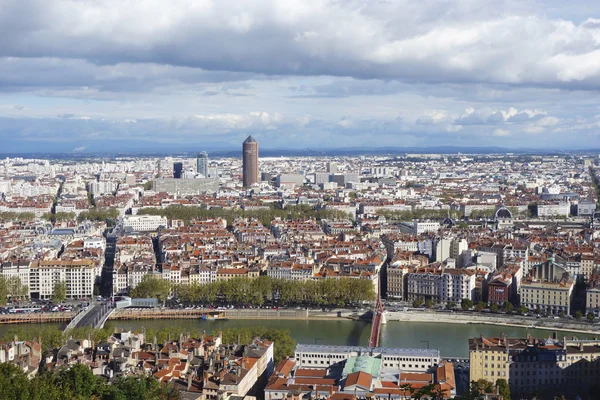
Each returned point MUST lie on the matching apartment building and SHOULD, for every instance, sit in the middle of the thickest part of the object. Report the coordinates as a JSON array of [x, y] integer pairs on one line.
[[396, 277], [224, 274], [532, 366], [440, 284], [144, 223], [79, 276], [548, 288], [561, 209], [592, 294], [17, 268], [419, 227]]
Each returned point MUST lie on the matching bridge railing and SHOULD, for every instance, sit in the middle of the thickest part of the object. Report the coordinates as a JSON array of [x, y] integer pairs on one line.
[[78, 318], [105, 312]]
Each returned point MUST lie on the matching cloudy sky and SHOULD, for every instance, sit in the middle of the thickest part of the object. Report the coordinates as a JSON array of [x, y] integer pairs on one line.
[[83, 75]]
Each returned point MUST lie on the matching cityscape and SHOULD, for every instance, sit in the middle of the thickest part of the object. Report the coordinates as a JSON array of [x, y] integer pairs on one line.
[[198, 244], [316, 200]]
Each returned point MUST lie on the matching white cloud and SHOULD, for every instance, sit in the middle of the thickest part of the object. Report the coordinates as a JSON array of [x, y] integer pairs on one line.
[[240, 121], [462, 40]]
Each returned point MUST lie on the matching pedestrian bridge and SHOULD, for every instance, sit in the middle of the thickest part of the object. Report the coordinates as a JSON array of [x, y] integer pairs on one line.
[[378, 320]]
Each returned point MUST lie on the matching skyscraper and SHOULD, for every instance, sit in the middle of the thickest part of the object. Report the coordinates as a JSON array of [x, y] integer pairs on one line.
[[202, 163], [250, 161], [177, 170], [332, 167]]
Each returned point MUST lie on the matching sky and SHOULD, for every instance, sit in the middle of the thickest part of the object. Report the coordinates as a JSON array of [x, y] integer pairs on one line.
[[111, 75]]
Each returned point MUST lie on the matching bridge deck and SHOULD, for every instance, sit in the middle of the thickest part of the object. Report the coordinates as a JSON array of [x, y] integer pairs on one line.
[[374, 339], [377, 317]]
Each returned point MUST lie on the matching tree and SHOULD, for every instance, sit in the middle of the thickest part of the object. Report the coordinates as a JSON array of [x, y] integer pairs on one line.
[[578, 315], [152, 287], [16, 289], [508, 307], [59, 294], [451, 305], [503, 389], [418, 302], [78, 382], [466, 304], [3, 289], [429, 303], [562, 314], [480, 306], [494, 307], [485, 386], [590, 316], [140, 388], [522, 310], [405, 387]]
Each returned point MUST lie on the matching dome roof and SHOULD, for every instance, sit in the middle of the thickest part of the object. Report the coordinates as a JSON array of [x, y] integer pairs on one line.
[[503, 213]]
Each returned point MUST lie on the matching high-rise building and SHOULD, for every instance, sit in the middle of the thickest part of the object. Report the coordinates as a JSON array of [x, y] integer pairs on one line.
[[332, 167], [250, 161], [177, 170], [202, 163]]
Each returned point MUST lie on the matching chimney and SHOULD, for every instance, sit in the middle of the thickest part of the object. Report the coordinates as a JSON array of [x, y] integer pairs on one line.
[[205, 378], [189, 382], [581, 346]]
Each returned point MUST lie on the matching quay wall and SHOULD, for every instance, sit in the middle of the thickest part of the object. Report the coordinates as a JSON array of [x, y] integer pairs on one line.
[[37, 318], [160, 313], [494, 319]]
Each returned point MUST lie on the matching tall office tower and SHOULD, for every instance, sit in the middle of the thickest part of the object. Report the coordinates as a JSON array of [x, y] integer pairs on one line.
[[177, 170], [250, 161], [331, 167], [202, 163]]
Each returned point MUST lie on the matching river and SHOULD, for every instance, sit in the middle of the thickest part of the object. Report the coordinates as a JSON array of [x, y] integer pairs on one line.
[[450, 339]]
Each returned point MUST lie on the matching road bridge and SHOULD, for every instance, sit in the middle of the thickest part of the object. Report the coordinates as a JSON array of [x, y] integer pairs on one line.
[[94, 317]]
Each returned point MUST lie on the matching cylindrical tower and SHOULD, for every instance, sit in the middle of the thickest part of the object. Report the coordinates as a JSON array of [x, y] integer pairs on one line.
[[250, 161]]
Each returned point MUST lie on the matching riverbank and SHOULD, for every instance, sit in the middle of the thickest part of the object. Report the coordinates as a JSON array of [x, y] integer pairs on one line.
[[37, 318], [517, 321], [249, 314], [427, 316]]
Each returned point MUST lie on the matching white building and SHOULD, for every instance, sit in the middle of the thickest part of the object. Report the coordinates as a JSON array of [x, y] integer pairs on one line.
[[441, 285], [561, 209], [416, 227], [79, 276], [94, 243], [325, 356], [144, 223]]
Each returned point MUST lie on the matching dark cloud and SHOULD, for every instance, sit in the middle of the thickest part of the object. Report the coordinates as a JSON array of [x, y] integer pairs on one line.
[[414, 41]]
